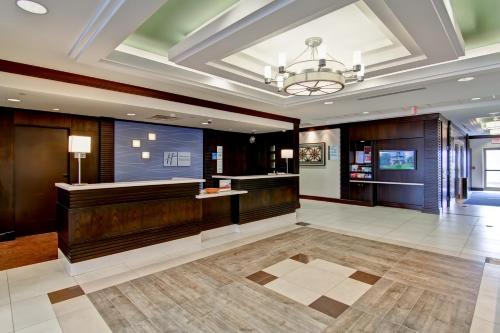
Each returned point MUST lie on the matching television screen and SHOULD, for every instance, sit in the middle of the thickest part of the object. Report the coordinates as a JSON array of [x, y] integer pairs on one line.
[[397, 160]]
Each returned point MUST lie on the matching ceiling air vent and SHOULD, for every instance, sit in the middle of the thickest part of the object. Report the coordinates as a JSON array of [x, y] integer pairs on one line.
[[391, 93], [170, 118]]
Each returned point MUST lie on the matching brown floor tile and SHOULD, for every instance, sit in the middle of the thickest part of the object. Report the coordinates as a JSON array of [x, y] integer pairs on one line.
[[65, 294], [365, 277], [329, 306], [261, 277], [303, 258], [493, 261], [28, 250]]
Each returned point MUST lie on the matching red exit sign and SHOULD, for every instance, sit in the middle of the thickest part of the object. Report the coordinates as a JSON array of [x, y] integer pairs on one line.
[[495, 140]]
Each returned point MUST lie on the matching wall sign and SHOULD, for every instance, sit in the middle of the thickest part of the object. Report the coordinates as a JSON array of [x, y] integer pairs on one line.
[[183, 158], [176, 159], [170, 159], [333, 152], [219, 159], [312, 154]]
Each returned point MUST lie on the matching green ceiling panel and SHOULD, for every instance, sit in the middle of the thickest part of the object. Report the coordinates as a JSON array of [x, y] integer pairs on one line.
[[174, 21], [479, 21]]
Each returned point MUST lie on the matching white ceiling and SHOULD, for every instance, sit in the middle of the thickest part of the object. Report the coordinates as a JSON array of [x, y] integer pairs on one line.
[[221, 61]]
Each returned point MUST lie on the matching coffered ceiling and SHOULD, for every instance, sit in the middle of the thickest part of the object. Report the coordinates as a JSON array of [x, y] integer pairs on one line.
[[414, 51]]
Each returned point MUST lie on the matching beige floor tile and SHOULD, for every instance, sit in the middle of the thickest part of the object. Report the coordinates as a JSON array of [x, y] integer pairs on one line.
[[72, 305], [108, 281], [483, 326], [313, 279], [331, 267], [6, 319], [491, 270], [72, 322], [4, 290], [490, 286], [32, 311], [50, 326], [488, 308], [348, 291], [293, 291], [283, 267]]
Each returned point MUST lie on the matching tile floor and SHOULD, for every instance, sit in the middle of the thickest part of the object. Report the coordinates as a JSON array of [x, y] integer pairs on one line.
[[318, 283], [25, 306]]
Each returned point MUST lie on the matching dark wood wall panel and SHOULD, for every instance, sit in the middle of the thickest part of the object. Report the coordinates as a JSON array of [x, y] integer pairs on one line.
[[240, 157], [107, 151], [432, 157], [404, 176], [404, 196], [6, 174]]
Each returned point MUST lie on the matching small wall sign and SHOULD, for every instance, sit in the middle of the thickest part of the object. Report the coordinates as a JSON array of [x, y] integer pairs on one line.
[[170, 159], [333, 152]]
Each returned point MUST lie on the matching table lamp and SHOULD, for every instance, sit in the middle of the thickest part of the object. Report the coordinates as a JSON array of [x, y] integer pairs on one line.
[[286, 153], [79, 145]]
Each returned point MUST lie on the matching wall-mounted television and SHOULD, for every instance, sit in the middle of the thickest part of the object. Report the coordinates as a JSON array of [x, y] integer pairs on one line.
[[397, 159]]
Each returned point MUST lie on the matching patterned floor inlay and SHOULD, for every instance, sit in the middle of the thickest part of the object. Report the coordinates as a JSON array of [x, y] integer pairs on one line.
[[65, 294], [339, 284], [320, 284]]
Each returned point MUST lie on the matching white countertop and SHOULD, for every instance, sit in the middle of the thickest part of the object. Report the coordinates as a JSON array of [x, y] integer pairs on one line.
[[389, 183], [255, 176], [97, 186], [219, 194]]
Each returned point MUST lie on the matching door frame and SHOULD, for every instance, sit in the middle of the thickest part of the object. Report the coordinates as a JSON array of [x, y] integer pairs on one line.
[[485, 172]]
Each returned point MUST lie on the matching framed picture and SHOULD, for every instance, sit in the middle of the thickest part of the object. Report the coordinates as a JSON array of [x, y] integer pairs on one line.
[[312, 154]]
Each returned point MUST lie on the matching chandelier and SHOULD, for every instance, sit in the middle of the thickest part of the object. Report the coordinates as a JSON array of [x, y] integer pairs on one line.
[[314, 72]]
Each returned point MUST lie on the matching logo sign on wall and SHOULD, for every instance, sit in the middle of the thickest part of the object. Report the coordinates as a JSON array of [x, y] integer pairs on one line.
[[176, 159], [312, 154]]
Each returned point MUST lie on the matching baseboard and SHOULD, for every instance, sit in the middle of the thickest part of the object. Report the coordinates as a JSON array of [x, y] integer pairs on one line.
[[399, 205], [7, 236], [336, 200], [477, 189]]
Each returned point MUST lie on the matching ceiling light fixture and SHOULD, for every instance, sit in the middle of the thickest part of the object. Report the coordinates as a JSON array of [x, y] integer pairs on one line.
[[204, 123], [32, 7], [365, 112], [314, 72], [55, 109], [475, 98], [328, 103], [15, 100], [131, 114], [466, 79], [493, 113]]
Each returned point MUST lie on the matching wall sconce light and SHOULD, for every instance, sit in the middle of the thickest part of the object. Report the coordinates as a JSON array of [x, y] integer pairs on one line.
[[79, 145], [145, 155], [136, 143], [152, 136], [286, 154]]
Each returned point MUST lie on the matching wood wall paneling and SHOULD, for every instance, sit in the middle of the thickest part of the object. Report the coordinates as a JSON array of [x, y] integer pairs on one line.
[[6, 174], [106, 150]]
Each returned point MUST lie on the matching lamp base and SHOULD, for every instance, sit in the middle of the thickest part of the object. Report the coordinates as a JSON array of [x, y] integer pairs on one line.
[[79, 184]]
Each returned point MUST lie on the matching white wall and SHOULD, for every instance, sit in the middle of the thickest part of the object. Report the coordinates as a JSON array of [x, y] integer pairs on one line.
[[477, 160], [322, 181]]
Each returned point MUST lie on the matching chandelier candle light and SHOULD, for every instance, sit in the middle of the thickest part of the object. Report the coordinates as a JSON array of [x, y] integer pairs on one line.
[[314, 72]]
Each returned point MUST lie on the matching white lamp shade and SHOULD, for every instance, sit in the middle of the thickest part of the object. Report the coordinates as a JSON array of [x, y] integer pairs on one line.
[[79, 144], [286, 153]]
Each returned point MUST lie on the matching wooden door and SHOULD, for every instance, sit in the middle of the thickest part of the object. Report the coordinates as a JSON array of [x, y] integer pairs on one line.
[[40, 160]]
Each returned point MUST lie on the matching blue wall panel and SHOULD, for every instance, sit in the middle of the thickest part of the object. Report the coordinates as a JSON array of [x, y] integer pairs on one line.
[[129, 166]]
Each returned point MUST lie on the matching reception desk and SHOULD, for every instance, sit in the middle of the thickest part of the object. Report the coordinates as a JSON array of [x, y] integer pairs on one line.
[[96, 220], [268, 195]]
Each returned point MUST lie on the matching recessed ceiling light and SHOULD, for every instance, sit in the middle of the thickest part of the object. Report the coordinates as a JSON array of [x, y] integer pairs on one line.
[[131, 114], [13, 100], [494, 113], [55, 109], [204, 123], [466, 79], [475, 98], [328, 103], [32, 7], [365, 112]]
